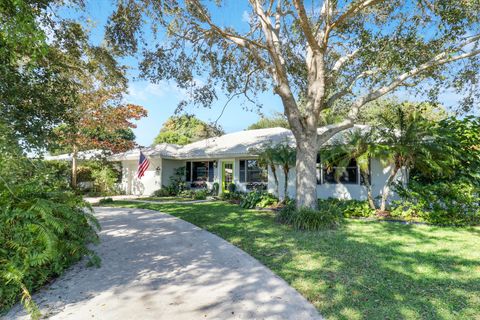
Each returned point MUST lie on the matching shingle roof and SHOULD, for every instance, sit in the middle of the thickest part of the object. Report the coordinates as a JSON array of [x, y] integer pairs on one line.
[[229, 145]]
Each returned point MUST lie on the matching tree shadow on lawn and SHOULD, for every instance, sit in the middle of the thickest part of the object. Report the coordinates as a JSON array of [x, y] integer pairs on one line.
[[367, 270]]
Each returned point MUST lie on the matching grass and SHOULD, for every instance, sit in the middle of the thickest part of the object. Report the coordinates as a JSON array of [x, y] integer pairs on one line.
[[365, 270], [165, 199]]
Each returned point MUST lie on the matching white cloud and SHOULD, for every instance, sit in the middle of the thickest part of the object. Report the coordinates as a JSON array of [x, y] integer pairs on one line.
[[142, 91], [246, 17]]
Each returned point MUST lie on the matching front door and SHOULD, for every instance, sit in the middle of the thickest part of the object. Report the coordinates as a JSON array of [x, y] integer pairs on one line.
[[227, 174]]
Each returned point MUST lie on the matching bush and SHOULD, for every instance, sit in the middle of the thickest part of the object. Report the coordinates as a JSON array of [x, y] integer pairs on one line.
[[258, 199], [163, 192], [445, 203], [349, 208], [43, 230], [177, 182], [311, 220], [215, 189], [189, 194], [285, 215], [232, 196], [232, 187], [105, 201], [327, 217], [200, 194]]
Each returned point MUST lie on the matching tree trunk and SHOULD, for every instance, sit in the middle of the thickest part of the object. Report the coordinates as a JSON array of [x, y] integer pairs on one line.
[[386, 189], [371, 202], [286, 170], [306, 167], [274, 172], [74, 167]]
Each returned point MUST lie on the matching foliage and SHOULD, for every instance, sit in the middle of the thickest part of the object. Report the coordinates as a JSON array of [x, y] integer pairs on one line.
[[359, 145], [162, 192], [280, 154], [186, 129], [215, 188], [278, 120], [312, 219], [35, 96], [105, 201], [349, 208], [44, 227], [455, 203], [200, 194], [232, 187], [285, 156], [328, 216], [234, 196], [364, 270], [104, 176], [387, 108], [260, 199], [177, 182]]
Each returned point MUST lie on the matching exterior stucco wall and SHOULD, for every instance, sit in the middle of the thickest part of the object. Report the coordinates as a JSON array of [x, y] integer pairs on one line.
[[150, 182]]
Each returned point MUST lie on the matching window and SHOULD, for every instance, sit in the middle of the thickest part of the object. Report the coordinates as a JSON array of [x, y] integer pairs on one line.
[[199, 171], [252, 173], [331, 173]]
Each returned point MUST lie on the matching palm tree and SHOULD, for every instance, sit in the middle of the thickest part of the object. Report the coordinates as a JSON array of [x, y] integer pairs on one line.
[[285, 156], [266, 156], [359, 145], [407, 141]]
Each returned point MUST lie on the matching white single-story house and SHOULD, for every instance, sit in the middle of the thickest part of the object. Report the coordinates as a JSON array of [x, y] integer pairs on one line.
[[229, 158]]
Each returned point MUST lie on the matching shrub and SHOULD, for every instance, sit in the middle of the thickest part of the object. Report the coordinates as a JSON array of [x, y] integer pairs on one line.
[[177, 182], [327, 217], [43, 230], [163, 192], [232, 196], [232, 187], [349, 208], [105, 201], [286, 213], [454, 203], [189, 194], [258, 199], [311, 220], [200, 194], [215, 188]]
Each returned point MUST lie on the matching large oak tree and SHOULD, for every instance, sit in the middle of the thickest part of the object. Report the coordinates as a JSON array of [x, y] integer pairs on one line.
[[315, 55]]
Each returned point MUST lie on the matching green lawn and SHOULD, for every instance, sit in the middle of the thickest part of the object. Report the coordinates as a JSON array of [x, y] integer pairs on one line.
[[165, 199], [366, 270]]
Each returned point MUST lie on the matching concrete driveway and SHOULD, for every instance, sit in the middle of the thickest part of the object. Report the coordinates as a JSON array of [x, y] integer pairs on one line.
[[155, 266]]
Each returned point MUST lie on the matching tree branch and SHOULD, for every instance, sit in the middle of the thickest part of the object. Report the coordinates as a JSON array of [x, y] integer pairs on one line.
[[438, 60]]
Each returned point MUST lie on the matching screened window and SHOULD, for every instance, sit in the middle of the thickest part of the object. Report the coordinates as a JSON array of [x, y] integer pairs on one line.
[[251, 172], [199, 171], [332, 173]]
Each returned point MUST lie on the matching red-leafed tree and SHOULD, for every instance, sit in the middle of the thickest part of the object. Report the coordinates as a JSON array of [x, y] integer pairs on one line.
[[100, 118]]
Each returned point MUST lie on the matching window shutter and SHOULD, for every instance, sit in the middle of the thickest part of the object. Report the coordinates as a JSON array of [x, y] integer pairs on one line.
[[188, 172], [210, 171], [242, 170]]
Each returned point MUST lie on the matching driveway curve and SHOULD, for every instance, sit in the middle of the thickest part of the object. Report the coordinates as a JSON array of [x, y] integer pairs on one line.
[[155, 266]]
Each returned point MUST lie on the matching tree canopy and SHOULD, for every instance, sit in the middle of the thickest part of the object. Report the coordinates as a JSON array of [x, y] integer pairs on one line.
[[186, 129]]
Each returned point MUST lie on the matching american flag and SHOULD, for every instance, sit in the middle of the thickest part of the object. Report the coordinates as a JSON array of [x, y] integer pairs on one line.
[[143, 164]]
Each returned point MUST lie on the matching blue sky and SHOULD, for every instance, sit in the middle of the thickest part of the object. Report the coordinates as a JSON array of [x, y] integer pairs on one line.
[[161, 99]]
